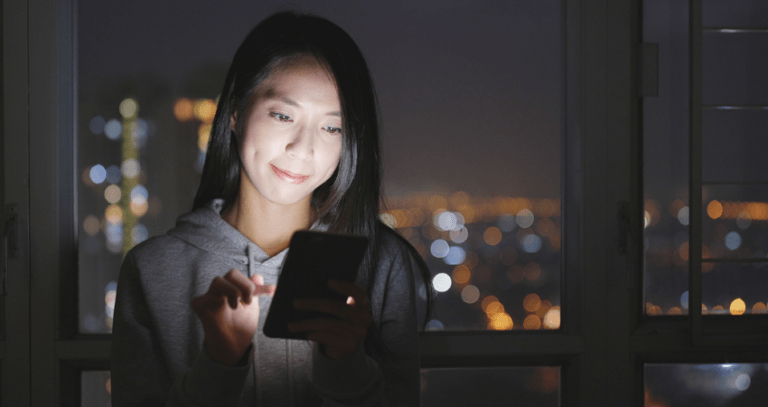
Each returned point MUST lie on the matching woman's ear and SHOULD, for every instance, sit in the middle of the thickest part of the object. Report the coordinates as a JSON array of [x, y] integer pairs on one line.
[[233, 122]]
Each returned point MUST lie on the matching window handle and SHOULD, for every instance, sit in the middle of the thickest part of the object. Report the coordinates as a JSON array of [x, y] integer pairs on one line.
[[10, 244]]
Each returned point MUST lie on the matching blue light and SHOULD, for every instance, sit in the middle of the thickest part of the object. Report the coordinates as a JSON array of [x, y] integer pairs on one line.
[[113, 174], [531, 243], [113, 130], [98, 174], [733, 240], [97, 125], [439, 248], [455, 256]]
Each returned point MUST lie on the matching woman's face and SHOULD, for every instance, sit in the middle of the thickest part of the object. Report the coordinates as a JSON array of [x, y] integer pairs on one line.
[[292, 133]]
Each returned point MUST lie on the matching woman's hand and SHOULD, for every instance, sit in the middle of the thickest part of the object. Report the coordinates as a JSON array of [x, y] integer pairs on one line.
[[339, 337], [230, 314]]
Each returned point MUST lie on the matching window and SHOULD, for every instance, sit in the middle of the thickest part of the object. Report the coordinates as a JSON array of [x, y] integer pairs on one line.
[[609, 347]]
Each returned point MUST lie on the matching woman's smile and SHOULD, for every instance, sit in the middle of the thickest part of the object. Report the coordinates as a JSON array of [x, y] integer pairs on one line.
[[288, 176]]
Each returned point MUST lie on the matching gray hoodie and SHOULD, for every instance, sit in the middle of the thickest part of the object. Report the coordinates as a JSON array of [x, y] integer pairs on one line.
[[157, 340]]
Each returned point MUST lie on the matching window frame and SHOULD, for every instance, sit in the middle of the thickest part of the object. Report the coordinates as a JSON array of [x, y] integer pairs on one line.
[[604, 341]]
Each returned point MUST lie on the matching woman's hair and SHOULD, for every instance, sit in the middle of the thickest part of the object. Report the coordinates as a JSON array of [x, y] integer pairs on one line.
[[349, 201]]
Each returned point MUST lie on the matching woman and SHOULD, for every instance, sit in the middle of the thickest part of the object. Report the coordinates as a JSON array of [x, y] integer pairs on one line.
[[294, 146]]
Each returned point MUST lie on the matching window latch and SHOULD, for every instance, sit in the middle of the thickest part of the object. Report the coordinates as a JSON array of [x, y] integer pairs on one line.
[[10, 244]]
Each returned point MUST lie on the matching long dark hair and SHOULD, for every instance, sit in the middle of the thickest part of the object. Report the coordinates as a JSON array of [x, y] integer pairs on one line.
[[349, 201]]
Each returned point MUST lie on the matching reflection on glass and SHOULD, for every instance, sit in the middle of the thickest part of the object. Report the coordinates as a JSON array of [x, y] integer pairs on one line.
[[705, 385], [95, 389], [522, 386]]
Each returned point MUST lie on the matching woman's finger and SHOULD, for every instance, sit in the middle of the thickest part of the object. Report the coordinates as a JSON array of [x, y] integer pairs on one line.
[[221, 287], [243, 283]]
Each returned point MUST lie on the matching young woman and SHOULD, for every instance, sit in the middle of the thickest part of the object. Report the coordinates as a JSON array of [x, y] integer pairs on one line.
[[294, 146]]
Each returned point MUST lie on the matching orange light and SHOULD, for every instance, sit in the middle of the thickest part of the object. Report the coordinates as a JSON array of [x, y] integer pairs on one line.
[[543, 308], [203, 135], [715, 209], [759, 308], [458, 199], [492, 236], [139, 209], [532, 271], [436, 202], [205, 110], [113, 214], [532, 322], [531, 302], [552, 318], [501, 322], [487, 300], [183, 109], [675, 311], [461, 274], [738, 307]]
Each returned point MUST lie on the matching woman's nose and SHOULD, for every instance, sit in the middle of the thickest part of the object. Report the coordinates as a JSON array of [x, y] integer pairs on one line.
[[301, 145]]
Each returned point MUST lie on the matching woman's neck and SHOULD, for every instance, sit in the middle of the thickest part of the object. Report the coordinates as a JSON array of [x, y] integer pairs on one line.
[[266, 224]]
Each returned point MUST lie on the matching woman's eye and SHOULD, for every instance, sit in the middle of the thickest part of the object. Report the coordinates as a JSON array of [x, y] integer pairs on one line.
[[280, 116], [332, 130]]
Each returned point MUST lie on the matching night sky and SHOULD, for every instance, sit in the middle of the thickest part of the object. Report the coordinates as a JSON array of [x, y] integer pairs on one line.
[[469, 92]]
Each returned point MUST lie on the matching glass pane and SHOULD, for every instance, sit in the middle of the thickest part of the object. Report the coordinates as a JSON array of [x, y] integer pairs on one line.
[[95, 389], [471, 128], [734, 288], [734, 67], [705, 385], [734, 145], [735, 13], [514, 386], [665, 155], [735, 221]]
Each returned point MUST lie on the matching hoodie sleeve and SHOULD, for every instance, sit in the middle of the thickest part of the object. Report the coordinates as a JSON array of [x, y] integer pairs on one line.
[[363, 380], [140, 376]]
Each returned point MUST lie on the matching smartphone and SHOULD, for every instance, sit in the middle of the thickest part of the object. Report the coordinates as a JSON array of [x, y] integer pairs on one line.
[[313, 258]]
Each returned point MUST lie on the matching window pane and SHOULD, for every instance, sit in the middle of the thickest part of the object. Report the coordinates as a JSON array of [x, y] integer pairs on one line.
[[95, 389], [472, 129], [734, 145], [734, 67], [734, 288], [705, 385], [514, 386], [735, 13], [665, 155], [735, 221]]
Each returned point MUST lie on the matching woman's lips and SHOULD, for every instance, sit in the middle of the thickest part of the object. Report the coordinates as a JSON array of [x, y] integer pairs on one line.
[[289, 176]]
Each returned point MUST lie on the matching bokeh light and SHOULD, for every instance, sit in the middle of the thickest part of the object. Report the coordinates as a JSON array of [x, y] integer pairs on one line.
[[715, 209], [439, 248], [456, 255], [531, 302], [531, 243], [470, 294], [129, 108], [552, 318], [738, 307], [98, 174], [130, 168], [113, 214], [91, 225], [441, 282], [112, 194], [492, 236], [532, 322], [524, 218], [182, 109], [733, 240], [113, 129], [461, 274], [205, 110]]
